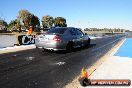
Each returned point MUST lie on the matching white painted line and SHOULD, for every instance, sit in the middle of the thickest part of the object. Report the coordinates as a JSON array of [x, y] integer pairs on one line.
[[60, 63], [16, 48], [92, 37], [29, 58]]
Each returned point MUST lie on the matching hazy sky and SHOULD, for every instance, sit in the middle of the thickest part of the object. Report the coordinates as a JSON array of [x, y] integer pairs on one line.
[[79, 13]]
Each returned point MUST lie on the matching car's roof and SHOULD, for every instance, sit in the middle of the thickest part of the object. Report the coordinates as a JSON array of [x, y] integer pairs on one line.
[[59, 30], [62, 27]]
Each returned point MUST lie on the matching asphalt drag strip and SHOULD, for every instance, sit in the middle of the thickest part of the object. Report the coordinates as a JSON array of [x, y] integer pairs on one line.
[[36, 69]]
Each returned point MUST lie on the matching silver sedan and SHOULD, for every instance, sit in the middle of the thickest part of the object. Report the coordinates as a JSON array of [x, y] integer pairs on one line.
[[62, 38]]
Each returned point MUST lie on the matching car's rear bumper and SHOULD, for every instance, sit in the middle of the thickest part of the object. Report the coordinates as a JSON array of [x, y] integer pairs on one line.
[[56, 46], [52, 49]]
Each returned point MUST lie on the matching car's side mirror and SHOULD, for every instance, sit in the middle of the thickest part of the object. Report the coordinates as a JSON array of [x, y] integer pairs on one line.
[[85, 34]]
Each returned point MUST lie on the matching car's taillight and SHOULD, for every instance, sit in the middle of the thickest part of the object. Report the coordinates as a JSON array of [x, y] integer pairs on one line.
[[57, 38]]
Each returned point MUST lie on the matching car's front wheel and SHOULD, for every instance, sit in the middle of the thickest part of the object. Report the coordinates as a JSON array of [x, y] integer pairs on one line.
[[69, 47], [88, 42]]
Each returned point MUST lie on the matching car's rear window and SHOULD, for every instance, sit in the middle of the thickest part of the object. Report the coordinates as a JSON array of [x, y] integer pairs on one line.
[[57, 30]]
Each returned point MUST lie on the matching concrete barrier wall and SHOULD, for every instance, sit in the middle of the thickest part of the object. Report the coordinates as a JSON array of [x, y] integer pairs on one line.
[[7, 40], [11, 40]]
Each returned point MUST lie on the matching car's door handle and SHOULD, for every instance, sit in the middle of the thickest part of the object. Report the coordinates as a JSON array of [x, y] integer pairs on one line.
[[76, 37]]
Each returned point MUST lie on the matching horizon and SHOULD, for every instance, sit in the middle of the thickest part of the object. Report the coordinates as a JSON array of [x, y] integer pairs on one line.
[[81, 14]]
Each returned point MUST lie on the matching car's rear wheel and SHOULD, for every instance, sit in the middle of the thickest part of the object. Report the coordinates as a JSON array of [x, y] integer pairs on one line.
[[69, 47]]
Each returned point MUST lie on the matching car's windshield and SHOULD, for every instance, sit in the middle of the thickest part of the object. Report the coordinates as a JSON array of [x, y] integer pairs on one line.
[[57, 30]]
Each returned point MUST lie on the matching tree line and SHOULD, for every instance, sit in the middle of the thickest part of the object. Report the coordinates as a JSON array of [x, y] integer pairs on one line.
[[25, 19]]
